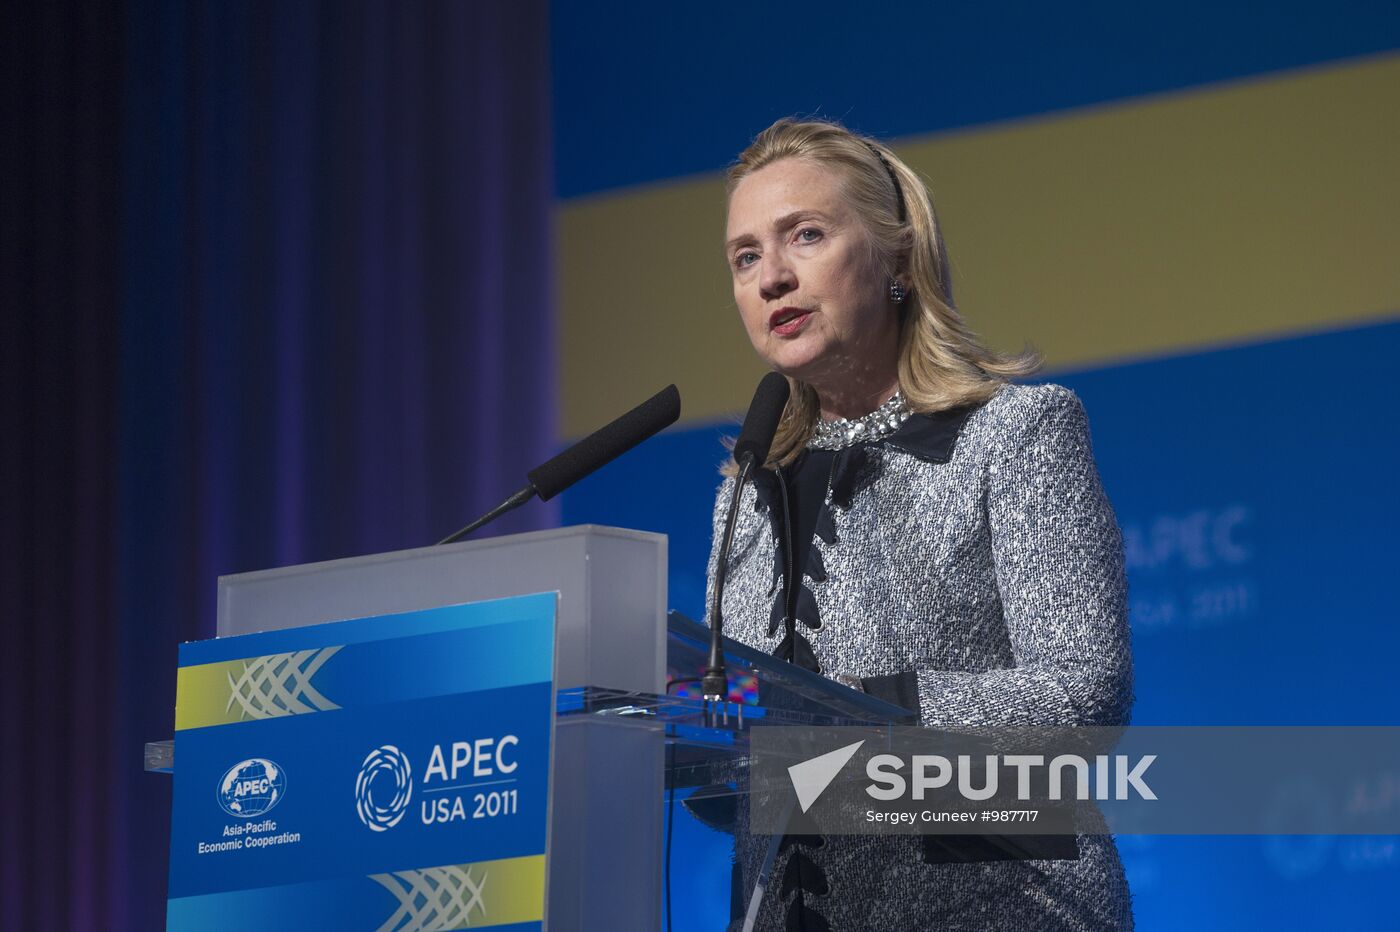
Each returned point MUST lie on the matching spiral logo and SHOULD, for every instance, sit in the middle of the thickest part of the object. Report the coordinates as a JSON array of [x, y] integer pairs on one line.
[[383, 788]]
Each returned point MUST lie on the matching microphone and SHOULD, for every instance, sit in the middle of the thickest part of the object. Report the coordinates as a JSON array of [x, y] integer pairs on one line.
[[761, 423], [588, 455], [755, 440]]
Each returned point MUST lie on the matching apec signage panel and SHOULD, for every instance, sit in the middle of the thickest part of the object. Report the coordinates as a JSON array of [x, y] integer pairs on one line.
[[379, 773]]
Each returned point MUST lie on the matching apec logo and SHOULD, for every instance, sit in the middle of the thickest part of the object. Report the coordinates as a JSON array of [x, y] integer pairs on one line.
[[384, 784], [383, 788], [251, 787]]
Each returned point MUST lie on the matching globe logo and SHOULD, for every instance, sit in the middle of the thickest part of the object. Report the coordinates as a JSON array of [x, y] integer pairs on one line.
[[252, 787], [383, 788]]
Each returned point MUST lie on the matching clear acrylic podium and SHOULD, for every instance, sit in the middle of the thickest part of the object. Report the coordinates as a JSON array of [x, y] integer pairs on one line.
[[622, 738]]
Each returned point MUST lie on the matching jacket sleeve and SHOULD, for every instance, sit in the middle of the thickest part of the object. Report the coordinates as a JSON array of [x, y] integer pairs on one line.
[[722, 496], [1058, 558]]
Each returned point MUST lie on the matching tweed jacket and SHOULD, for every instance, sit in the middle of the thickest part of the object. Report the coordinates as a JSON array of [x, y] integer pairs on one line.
[[968, 566]]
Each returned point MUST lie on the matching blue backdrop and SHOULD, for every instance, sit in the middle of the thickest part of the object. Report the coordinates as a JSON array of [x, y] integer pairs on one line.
[[1256, 490]]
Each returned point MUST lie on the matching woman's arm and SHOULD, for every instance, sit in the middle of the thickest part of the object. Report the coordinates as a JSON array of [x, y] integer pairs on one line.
[[1058, 557]]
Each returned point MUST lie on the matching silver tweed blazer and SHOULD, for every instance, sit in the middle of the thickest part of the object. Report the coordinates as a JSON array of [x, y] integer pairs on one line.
[[976, 554]]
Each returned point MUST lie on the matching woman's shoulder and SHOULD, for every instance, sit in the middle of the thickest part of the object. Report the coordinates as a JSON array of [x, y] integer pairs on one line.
[[1017, 410], [1015, 403]]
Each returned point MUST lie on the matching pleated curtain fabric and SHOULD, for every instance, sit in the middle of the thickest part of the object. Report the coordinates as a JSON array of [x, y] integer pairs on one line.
[[276, 287]]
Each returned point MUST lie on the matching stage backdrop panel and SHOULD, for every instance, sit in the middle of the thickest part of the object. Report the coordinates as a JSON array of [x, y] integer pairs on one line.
[[1255, 489], [1187, 208]]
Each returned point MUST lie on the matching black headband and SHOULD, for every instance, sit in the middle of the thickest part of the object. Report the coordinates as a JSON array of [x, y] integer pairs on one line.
[[898, 191]]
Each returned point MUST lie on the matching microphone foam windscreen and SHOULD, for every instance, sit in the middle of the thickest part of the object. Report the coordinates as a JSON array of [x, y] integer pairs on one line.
[[761, 423], [608, 443]]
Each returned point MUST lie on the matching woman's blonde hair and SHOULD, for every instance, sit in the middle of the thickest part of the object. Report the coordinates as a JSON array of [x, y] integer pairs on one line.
[[942, 364]]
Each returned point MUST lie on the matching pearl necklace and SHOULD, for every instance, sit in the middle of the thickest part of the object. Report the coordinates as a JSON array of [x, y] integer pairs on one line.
[[878, 424]]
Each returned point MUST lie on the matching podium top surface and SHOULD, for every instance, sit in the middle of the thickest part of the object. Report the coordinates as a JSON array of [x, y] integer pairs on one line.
[[529, 540], [611, 586]]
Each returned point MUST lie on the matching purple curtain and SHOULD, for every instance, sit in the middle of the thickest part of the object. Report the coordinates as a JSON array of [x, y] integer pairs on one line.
[[276, 288]]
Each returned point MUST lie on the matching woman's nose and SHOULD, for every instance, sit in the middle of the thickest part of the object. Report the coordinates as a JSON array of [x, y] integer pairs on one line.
[[778, 276]]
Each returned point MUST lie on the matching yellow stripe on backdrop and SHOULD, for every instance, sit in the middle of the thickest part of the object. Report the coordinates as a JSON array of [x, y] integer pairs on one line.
[[1220, 215]]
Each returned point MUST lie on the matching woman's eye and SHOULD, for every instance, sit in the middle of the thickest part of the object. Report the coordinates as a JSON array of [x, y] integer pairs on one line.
[[744, 259], [809, 235]]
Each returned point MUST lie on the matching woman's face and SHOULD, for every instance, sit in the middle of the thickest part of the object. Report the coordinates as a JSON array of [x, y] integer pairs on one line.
[[806, 280]]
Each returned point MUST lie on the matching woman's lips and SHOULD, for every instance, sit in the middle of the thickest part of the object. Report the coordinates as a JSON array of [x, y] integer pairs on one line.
[[785, 323]]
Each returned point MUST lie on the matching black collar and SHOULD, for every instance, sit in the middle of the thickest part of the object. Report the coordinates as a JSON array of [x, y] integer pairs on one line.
[[931, 437]]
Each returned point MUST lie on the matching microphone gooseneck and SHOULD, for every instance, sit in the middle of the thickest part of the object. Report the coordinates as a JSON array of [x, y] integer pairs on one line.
[[592, 452], [750, 453]]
